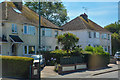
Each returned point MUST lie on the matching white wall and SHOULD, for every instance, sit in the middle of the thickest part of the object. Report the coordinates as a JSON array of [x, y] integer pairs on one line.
[[84, 39]]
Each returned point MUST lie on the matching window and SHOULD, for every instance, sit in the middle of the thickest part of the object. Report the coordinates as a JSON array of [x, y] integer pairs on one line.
[[29, 49], [46, 32], [29, 30], [108, 37], [89, 34], [97, 34], [105, 36], [94, 34], [56, 33], [0, 49], [43, 31], [105, 48], [14, 28], [25, 29], [25, 49]]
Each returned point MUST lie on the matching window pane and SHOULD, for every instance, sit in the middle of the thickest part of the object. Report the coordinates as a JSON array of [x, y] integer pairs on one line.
[[48, 32], [25, 29], [108, 37], [31, 50], [25, 49], [31, 30], [94, 34], [97, 35], [12, 27], [89, 34], [15, 27], [0, 49], [56, 33], [43, 31]]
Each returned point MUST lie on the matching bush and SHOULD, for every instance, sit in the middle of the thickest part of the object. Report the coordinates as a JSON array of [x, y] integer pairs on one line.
[[89, 49], [14, 66], [95, 50], [96, 57]]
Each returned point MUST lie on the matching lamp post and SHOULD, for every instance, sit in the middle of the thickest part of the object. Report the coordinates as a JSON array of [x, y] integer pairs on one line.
[[39, 38]]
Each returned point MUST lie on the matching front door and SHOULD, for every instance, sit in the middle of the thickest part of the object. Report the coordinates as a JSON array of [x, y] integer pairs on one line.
[[14, 50]]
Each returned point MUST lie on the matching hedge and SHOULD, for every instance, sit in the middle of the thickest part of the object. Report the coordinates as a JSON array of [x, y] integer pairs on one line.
[[14, 66]]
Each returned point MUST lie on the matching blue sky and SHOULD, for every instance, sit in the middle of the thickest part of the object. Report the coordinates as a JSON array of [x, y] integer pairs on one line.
[[103, 13]]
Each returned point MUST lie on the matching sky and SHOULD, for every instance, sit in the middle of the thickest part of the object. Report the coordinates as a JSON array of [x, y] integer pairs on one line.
[[102, 13]]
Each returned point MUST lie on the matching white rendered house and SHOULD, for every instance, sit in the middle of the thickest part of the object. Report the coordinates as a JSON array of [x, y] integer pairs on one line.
[[89, 33]]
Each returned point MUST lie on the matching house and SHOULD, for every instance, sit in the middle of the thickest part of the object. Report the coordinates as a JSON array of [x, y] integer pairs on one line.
[[89, 33], [19, 30]]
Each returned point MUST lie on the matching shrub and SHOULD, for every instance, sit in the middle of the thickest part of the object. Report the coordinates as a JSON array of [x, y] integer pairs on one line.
[[89, 49], [14, 66], [76, 51]]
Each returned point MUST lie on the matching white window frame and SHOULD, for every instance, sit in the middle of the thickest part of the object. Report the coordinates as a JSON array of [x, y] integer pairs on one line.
[[28, 50], [28, 32], [14, 28]]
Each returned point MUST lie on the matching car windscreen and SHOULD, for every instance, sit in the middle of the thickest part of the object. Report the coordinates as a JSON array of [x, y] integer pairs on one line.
[[117, 53], [36, 57]]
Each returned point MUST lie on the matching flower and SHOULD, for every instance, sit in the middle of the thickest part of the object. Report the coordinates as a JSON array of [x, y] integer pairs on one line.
[[51, 58], [48, 61], [54, 58]]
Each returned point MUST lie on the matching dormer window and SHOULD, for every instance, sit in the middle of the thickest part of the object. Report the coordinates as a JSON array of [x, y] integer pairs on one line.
[[14, 28]]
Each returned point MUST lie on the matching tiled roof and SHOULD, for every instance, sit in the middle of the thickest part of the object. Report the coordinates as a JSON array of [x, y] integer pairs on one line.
[[79, 23], [33, 17]]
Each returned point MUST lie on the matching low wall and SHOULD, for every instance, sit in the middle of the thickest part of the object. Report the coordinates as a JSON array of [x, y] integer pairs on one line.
[[71, 68]]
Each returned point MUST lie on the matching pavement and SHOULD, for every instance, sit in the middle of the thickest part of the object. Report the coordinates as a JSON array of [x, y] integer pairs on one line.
[[48, 72]]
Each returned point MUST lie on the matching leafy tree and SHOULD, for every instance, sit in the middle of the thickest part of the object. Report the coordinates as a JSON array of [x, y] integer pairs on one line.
[[53, 11], [115, 29], [115, 42], [68, 40]]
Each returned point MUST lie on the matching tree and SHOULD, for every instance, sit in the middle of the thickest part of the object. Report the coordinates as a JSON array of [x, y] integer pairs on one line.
[[68, 40], [53, 11], [115, 42], [115, 29]]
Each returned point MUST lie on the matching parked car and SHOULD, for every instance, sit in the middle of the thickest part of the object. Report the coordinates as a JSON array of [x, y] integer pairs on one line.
[[117, 55], [36, 60]]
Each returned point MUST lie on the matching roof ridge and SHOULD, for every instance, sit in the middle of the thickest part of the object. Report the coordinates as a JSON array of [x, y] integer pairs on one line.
[[83, 22]]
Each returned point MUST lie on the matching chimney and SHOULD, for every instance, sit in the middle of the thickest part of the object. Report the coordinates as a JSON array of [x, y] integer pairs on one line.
[[18, 5], [84, 16]]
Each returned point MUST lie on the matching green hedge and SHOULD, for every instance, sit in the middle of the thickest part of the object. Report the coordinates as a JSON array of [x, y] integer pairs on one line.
[[14, 66]]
